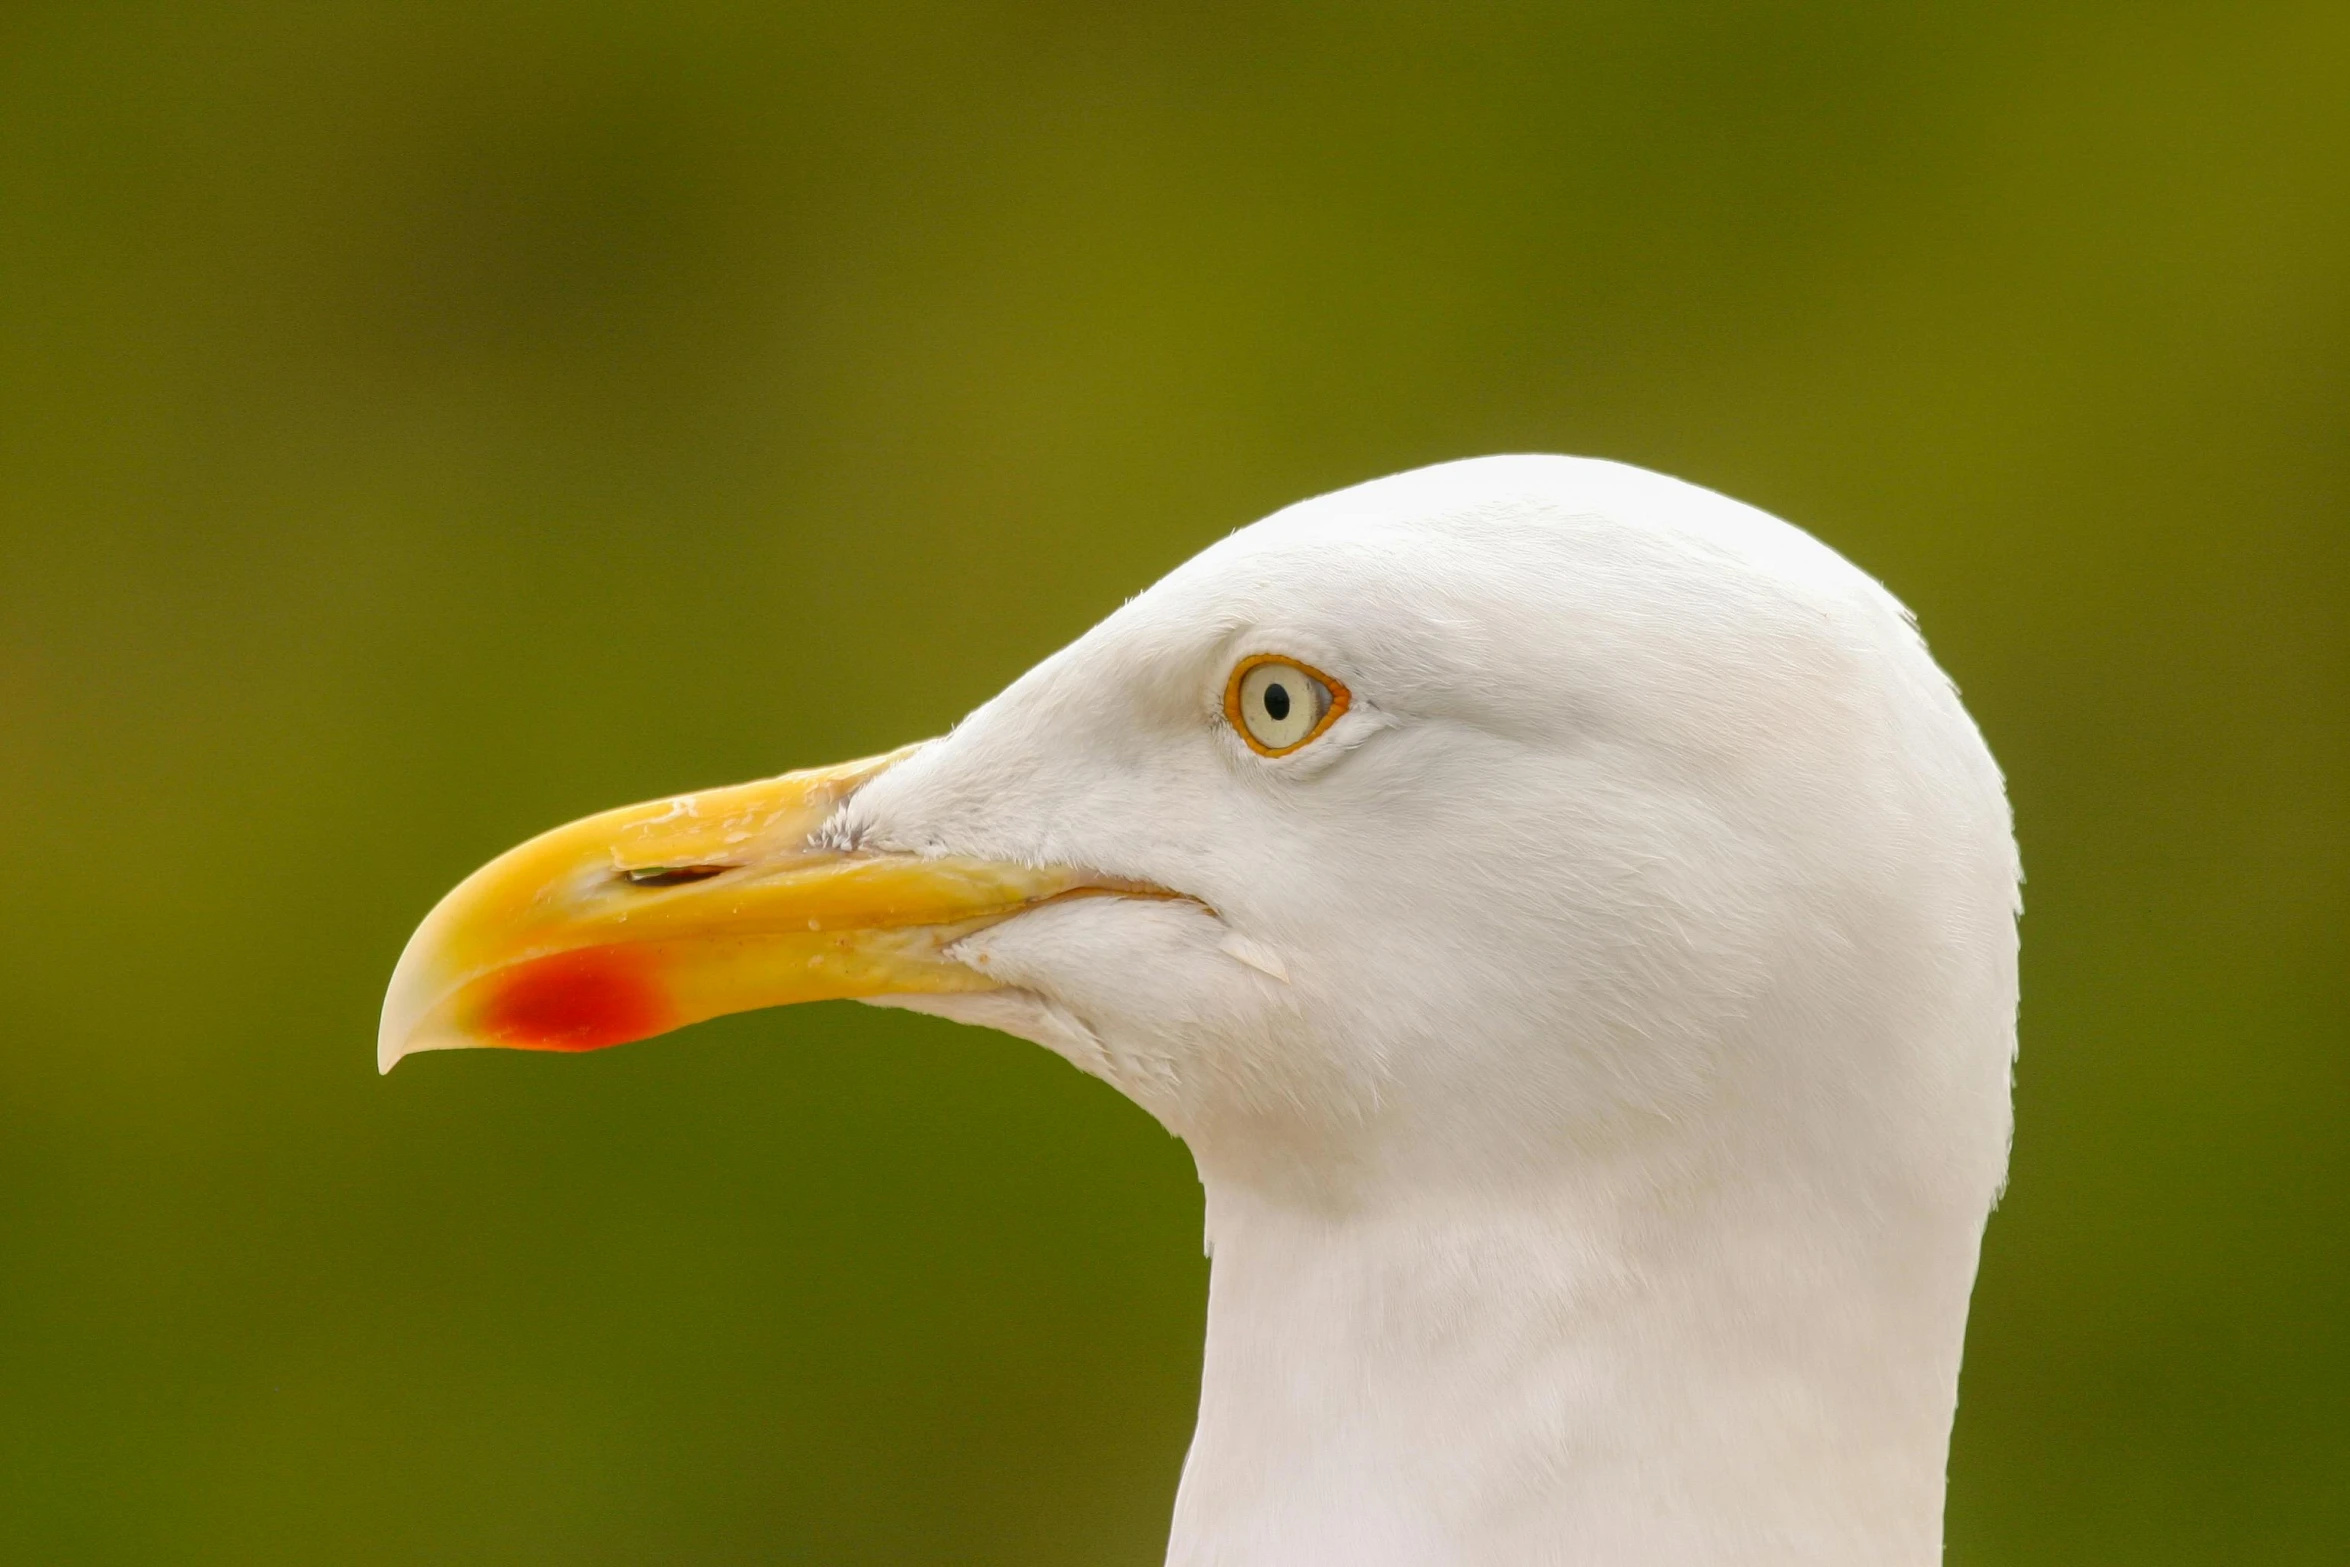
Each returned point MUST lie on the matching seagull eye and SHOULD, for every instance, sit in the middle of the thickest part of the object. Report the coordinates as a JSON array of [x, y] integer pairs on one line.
[[1278, 704]]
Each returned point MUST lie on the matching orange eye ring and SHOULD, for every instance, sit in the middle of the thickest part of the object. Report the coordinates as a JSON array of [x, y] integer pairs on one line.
[[1236, 716]]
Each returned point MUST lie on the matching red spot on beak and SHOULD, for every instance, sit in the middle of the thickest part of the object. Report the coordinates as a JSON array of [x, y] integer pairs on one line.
[[582, 1000]]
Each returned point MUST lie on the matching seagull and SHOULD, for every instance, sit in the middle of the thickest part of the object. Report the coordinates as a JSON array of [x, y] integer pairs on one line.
[[1570, 919]]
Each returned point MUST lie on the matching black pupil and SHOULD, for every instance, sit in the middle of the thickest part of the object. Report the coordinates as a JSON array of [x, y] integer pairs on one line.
[[1277, 702]]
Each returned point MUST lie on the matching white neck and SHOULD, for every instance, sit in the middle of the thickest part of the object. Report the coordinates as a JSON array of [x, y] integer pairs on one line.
[[1623, 1369]]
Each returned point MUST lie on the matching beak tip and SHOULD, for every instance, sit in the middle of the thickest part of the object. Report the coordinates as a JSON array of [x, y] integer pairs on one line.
[[394, 1047], [407, 1004], [396, 1034], [391, 1043]]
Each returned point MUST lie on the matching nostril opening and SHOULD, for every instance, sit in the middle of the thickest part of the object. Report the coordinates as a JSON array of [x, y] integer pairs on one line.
[[672, 875]]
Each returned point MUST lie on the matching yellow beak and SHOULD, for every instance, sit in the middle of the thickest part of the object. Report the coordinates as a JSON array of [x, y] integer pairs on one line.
[[637, 921]]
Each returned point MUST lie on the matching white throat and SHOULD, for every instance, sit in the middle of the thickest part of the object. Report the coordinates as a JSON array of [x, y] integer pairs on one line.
[[1637, 1368]]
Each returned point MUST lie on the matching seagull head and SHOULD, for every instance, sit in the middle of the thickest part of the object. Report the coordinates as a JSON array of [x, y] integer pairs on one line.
[[1539, 868]]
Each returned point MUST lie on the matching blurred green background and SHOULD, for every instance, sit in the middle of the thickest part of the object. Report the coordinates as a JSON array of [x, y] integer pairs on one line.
[[422, 424]]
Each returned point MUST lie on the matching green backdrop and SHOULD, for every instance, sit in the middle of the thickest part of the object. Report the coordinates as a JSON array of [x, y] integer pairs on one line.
[[421, 424]]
